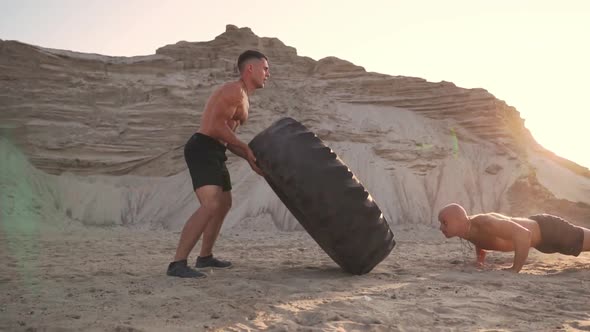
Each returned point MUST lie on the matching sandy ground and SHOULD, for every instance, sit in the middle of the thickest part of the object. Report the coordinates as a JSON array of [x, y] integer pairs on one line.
[[113, 279]]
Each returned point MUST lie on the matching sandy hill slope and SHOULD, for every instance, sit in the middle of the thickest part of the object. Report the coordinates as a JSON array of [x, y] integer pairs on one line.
[[98, 140]]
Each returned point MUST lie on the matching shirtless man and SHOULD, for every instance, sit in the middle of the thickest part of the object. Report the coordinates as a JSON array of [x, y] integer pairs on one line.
[[226, 109], [494, 231]]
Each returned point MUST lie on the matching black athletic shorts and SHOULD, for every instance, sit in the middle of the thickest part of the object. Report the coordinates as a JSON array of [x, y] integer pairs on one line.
[[558, 235], [205, 158]]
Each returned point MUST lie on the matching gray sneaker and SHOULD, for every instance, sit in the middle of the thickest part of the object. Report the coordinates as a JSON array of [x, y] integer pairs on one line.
[[210, 261], [180, 269]]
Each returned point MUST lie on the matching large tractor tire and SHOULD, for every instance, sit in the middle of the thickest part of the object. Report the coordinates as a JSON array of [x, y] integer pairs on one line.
[[323, 195]]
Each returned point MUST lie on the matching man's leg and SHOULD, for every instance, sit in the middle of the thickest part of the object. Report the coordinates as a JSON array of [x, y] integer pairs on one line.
[[211, 233], [212, 205], [213, 228]]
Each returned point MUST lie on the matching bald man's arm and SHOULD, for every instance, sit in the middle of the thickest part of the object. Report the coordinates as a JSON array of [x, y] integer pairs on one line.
[[480, 255], [509, 230]]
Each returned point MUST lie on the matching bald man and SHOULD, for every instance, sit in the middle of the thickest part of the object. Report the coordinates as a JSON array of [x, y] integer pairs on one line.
[[493, 231]]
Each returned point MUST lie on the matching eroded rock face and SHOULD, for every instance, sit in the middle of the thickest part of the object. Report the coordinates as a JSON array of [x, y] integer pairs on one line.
[[416, 145]]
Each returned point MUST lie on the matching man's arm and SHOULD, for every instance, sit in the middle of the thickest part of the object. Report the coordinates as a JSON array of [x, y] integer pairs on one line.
[[509, 230], [224, 112], [237, 150], [480, 255], [522, 243]]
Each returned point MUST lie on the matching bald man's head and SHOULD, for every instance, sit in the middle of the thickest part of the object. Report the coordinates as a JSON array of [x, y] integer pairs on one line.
[[452, 211], [453, 220]]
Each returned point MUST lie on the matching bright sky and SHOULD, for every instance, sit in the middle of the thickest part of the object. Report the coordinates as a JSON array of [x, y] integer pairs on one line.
[[533, 54]]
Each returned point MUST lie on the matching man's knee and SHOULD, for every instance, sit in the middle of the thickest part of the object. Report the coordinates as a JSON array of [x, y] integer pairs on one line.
[[214, 207]]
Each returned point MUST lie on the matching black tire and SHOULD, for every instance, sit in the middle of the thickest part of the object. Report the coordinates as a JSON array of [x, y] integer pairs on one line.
[[323, 195]]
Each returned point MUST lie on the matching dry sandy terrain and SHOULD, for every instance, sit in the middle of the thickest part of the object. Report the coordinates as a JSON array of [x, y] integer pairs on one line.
[[114, 280]]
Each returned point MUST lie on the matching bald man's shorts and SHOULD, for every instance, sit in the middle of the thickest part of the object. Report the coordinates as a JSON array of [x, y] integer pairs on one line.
[[558, 235]]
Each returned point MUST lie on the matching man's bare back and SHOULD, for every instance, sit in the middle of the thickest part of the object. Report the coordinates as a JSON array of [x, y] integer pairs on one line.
[[486, 227], [494, 231]]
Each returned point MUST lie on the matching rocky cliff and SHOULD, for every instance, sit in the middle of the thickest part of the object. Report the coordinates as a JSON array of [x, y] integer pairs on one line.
[[107, 133]]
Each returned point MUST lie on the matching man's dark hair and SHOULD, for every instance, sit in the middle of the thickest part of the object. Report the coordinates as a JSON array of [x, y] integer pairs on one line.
[[247, 55]]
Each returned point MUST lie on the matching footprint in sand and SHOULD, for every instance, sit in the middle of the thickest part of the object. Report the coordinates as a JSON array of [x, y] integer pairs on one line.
[[103, 273], [581, 325], [124, 328], [494, 284], [439, 309], [401, 272], [76, 278], [311, 318]]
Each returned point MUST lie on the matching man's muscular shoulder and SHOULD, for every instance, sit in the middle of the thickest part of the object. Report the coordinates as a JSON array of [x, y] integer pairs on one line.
[[484, 220], [481, 218], [231, 91], [489, 217], [492, 223]]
